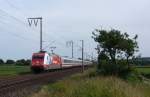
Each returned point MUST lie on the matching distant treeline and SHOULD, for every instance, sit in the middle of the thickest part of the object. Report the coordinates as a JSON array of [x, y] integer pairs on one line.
[[17, 62], [144, 61]]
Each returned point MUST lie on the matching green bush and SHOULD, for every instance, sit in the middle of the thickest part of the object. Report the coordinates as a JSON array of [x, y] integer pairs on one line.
[[121, 69]]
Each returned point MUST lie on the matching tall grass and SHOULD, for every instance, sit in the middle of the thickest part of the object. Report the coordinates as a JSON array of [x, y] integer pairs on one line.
[[83, 86]]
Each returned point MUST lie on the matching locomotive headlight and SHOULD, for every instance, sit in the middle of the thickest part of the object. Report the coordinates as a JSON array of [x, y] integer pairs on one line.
[[37, 62], [55, 62]]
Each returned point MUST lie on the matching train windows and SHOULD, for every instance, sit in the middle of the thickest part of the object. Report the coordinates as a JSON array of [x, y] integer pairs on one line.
[[67, 61], [73, 61]]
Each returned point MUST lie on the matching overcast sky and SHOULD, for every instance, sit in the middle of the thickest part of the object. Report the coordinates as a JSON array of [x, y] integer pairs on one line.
[[65, 20]]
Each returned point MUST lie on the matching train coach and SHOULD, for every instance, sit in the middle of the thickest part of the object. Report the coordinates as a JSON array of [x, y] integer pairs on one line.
[[44, 61]]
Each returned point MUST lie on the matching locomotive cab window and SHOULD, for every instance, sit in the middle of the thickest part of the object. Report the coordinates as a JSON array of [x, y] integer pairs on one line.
[[38, 57]]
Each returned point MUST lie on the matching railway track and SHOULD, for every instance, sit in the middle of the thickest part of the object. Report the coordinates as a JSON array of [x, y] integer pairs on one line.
[[9, 87]]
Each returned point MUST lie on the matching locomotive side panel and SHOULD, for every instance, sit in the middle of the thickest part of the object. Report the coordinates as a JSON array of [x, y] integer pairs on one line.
[[56, 62], [47, 61]]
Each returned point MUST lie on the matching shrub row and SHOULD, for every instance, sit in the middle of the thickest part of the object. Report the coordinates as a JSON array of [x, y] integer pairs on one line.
[[18, 62]]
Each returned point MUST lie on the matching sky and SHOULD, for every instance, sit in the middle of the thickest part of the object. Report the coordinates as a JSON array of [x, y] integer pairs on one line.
[[65, 20]]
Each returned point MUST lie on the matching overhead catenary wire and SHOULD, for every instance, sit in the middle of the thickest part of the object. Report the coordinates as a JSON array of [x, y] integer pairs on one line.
[[11, 5], [16, 19], [15, 7], [18, 36], [48, 45], [18, 9], [76, 44]]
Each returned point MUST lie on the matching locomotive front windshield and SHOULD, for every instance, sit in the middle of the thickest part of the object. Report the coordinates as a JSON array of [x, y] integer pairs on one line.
[[38, 57]]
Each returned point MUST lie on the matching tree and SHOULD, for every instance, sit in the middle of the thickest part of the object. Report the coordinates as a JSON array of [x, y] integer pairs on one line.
[[1, 61], [23, 62], [9, 61], [129, 46], [27, 62], [20, 62], [115, 46]]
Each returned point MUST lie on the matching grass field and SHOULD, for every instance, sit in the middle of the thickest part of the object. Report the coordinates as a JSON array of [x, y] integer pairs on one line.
[[12, 70], [145, 70], [84, 86]]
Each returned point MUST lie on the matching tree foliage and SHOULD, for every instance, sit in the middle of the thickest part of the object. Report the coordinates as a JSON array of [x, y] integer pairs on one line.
[[23, 62], [9, 61], [113, 47], [1, 61]]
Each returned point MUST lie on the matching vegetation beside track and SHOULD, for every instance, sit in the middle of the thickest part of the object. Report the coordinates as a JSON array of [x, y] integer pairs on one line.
[[12, 70], [90, 84]]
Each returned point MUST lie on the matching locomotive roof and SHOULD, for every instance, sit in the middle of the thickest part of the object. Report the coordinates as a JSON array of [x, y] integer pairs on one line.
[[44, 52]]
